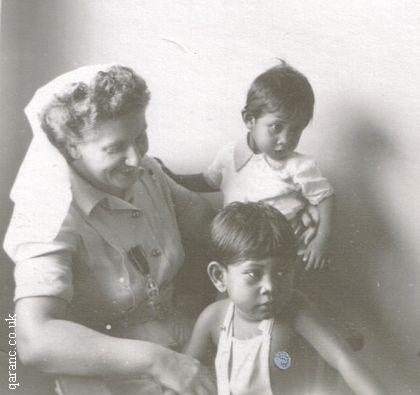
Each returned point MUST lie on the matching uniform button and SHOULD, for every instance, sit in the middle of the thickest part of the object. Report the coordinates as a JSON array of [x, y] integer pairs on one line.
[[136, 213], [121, 280], [104, 204], [156, 252]]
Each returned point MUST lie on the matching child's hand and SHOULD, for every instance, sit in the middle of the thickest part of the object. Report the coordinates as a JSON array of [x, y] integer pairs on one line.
[[315, 254]]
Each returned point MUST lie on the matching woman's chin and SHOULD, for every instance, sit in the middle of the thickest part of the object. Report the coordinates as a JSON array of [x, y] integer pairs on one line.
[[124, 181]]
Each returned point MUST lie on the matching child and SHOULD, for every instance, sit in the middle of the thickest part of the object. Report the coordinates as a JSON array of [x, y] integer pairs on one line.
[[256, 327], [264, 166]]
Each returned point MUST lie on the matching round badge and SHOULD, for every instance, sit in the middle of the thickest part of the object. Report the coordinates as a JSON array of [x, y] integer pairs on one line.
[[282, 360]]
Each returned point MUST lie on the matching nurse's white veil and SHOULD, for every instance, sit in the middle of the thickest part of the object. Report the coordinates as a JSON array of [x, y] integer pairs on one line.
[[41, 192]]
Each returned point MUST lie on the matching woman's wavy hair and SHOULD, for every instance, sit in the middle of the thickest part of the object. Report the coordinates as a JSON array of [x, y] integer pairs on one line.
[[244, 231], [74, 112]]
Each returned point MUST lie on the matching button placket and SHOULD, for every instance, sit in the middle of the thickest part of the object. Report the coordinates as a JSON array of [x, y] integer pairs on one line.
[[136, 214], [155, 252]]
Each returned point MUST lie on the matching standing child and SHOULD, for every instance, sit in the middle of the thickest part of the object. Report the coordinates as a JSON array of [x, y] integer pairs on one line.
[[256, 327], [264, 166]]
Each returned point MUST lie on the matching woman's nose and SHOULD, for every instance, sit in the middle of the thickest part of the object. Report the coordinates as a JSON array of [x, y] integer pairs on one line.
[[133, 157]]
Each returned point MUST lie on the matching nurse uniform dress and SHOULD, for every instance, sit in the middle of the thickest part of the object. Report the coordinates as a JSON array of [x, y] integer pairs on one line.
[[72, 241]]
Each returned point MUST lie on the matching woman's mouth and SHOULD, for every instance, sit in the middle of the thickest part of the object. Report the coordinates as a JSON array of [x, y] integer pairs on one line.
[[127, 170]]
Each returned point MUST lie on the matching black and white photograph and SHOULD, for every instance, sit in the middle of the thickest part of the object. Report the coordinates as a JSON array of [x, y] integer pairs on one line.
[[209, 197]]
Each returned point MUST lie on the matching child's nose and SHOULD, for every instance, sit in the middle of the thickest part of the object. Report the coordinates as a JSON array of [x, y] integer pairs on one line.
[[267, 285], [282, 136]]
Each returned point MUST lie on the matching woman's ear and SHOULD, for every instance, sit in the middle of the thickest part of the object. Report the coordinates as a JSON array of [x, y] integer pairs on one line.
[[248, 119], [217, 274]]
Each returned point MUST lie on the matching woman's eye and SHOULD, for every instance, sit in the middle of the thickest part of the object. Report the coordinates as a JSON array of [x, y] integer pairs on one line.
[[113, 149], [140, 140]]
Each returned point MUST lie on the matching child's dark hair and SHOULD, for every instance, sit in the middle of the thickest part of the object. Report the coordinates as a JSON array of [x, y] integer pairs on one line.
[[281, 88], [243, 231]]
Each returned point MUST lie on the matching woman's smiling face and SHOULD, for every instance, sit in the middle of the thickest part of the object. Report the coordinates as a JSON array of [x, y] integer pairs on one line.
[[109, 158]]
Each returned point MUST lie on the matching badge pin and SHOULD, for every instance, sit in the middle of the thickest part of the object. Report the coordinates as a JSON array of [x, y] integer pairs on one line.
[[282, 360]]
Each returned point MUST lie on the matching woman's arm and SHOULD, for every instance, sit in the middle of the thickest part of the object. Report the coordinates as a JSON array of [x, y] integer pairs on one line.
[[336, 353], [52, 344], [193, 182]]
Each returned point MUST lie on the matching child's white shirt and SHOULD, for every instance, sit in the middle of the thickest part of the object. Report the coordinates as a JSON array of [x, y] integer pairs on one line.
[[242, 366], [287, 185]]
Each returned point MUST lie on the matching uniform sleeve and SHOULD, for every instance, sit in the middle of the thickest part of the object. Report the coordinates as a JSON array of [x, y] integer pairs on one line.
[[193, 213], [214, 173], [45, 268], [313, 185]]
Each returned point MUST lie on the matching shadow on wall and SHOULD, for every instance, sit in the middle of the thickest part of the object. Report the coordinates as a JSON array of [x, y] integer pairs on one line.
[[372, 265], [32, 53]]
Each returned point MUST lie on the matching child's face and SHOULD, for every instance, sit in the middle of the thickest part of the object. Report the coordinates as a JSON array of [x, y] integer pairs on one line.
[[274, 136], [258, 288]]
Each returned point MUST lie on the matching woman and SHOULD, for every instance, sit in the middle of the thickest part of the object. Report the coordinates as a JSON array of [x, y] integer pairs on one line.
[[96, 243]]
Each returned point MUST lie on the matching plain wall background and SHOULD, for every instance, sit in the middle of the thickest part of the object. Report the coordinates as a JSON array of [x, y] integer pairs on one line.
[[199, 58]]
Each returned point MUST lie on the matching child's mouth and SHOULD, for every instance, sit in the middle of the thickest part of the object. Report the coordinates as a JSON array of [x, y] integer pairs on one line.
[[266, 305]]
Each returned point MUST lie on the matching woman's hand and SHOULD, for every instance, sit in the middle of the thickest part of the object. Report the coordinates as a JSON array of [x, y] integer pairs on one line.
[[183, 374]]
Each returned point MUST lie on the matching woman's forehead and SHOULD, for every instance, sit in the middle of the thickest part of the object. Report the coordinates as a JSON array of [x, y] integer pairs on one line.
[[121, 128]]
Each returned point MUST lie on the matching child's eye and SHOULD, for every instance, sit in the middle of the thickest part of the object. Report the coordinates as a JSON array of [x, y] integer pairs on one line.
[[276, 128], [255, 274], [281, 274], [284, 271]]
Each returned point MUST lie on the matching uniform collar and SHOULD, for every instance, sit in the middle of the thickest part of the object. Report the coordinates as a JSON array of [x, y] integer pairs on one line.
[[242, 152], [87, 197]]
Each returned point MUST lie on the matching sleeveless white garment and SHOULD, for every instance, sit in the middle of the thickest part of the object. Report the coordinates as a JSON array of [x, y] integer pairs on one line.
[[242, 366]]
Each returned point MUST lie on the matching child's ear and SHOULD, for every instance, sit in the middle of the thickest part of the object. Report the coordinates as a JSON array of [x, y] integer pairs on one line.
[[217, 274], [73, 150], [248, 119]]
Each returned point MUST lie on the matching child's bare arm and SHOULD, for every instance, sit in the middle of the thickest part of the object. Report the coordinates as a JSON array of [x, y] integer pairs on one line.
[[201, 339], [316, 252], [336, 353]]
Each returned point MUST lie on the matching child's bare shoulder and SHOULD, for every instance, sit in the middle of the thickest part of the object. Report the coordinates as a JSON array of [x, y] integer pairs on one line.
[[304, 308], [310, 323], [300, 310], [213, 315]]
